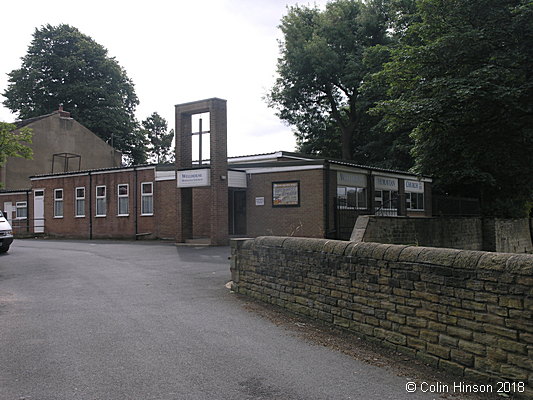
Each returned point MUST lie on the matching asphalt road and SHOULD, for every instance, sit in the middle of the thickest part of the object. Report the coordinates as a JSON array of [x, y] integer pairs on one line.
[[152, 321]]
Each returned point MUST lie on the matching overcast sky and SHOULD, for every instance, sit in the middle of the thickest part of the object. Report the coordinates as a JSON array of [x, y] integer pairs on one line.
[[175, 52]]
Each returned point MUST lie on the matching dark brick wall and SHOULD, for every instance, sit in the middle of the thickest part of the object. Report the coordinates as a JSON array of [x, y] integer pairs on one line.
[[21, 227], [467, 312], [201, 201], [165, 193], [110, 226]]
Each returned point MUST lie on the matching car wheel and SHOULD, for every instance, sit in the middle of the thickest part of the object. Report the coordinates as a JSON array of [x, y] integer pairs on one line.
[[4, 249]]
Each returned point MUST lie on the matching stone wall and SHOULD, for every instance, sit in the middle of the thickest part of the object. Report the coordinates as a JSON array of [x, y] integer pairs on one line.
[[507, 235], [466, 312], [489, 234], [457, 233]]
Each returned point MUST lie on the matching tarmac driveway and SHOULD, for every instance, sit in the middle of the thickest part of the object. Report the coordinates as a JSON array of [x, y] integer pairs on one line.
[[152, 321]]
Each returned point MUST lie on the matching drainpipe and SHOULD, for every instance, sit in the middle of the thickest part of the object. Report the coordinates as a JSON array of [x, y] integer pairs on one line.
[[372, 196], [90, 206], [28, 211], [327, 202], [135, 203]]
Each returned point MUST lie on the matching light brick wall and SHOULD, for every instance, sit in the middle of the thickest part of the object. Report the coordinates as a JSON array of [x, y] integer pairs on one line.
[[305, 220], [466, 312]]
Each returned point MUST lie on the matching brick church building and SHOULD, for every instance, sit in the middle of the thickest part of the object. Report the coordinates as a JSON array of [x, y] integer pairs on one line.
[[279, 193]]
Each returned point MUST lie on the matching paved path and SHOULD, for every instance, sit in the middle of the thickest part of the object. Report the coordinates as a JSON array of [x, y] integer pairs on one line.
[[152, 321]]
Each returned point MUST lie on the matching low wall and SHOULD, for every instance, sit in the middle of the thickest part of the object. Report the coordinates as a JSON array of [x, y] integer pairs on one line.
[[467, 312], [489, 234]]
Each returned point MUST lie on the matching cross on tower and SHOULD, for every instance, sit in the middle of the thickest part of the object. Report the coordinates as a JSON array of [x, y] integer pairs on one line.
[[200, 133]]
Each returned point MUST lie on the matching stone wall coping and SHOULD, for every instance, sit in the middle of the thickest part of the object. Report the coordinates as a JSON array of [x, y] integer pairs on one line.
[[521, 264]]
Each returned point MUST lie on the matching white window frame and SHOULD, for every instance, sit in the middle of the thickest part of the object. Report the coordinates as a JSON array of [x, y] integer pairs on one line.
[[59, 204], [21, 205], [344, 196], [99, 199], [408, 202], [378, 197], [79, 200], [147, 195], [120, 197]]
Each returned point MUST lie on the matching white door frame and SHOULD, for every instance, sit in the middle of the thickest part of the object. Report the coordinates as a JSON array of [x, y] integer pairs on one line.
[[38, 211]]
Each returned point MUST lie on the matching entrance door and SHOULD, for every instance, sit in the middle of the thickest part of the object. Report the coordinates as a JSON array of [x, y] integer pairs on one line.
[[8, 211], [38, 211], [237, 212]]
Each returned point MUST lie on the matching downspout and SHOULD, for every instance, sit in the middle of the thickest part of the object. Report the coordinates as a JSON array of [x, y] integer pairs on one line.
[[327, 202], [371, 196], [28, 211], [135, 203], [90, 206]]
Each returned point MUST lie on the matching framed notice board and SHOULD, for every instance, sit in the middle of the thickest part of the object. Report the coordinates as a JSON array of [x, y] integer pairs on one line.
[[286, 194]]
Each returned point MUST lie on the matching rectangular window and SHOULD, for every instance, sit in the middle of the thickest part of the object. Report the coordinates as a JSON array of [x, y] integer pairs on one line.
[[351, 197], [80, 202], [58, 203], [147, 198], [386, 199], [123, 200], [414, 201], [22, 210], [101, 205]]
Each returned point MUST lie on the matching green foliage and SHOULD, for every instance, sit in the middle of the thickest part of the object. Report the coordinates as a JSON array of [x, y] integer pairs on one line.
[[14, 143], [64, 66], [138, 142], [462, 83], [321, 71], [159, 138]]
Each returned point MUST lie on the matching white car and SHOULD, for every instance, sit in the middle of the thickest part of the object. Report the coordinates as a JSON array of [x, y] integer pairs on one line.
[[6, 234]]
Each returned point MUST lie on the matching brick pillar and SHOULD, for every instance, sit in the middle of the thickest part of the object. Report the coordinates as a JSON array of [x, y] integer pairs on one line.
[[183, 160], [402, 208], [218, 210], [219, 173]]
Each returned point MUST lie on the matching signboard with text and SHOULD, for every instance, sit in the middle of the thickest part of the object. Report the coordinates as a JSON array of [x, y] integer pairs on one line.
[[286, 194], [414, 186], [194, 178], [385, 183]]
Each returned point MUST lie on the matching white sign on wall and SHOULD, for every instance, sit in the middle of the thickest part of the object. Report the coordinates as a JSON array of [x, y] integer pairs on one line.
[[194, 178], [383, 183], [259, 201], [414, 186], [349, 179]]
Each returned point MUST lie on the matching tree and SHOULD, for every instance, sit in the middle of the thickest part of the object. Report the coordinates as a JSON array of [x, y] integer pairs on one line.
[[64, 66], [462, 81], [321, 70], [159, 138], [14, 143], [139, 147]]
